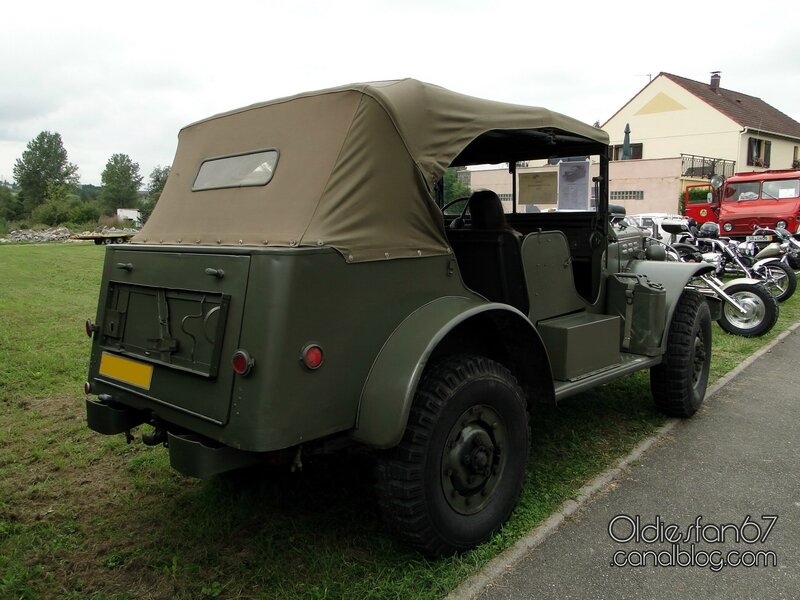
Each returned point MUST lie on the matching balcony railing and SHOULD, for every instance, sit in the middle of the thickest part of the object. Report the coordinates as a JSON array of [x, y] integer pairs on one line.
[[706, 167]]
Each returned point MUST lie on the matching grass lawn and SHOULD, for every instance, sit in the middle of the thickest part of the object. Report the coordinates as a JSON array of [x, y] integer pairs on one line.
[[89, 516]]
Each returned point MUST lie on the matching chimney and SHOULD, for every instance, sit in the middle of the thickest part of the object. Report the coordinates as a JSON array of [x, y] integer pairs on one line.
[[715, 77]]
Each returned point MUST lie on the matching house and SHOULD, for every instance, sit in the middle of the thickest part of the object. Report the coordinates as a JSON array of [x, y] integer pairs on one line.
[[681, 133], [709, 125]]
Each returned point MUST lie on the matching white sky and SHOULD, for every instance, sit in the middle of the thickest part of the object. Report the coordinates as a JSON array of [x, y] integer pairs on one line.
[[126, 76]]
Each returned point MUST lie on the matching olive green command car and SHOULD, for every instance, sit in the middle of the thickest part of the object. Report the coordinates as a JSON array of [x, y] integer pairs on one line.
[[301, 288]]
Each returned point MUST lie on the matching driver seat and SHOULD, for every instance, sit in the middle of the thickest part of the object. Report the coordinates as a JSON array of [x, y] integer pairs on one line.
[[488, 253], [486, 210]]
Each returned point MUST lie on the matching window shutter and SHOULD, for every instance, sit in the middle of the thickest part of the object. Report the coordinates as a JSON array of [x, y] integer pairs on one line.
[[752, 151], [767, 149]]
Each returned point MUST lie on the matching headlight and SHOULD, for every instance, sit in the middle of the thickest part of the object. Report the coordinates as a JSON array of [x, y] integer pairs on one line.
[[728, 227], [781, 224]]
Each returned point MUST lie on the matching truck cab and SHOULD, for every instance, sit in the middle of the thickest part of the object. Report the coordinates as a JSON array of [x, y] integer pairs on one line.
[[746, 201]]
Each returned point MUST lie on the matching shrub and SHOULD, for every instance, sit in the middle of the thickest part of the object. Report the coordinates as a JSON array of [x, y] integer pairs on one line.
[[84, 212], [51, 212], [64, 210]]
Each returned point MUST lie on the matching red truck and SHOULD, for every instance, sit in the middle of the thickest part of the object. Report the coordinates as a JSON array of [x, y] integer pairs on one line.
[[746, 200]]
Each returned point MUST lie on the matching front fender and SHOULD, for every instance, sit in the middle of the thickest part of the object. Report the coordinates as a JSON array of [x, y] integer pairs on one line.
[[389, 390], [673, 276], [738, 280]]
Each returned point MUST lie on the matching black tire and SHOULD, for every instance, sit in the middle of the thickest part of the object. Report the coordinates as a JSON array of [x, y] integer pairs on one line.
[[108, 241], [761, 306], [119, 240], [98, 242], [444, 501], [780, 279], [679, 383]]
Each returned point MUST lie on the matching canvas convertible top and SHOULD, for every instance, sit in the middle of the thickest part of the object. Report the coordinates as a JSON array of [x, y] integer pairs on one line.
[[350, 167]]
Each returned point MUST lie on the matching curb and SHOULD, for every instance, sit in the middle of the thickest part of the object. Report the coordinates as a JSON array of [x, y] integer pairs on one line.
[[475, 584]]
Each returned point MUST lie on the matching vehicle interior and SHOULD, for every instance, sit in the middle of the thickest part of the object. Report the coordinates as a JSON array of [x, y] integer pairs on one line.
[[540, 230]]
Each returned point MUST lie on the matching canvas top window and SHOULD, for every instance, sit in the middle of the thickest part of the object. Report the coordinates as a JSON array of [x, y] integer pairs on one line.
[[241, 170]]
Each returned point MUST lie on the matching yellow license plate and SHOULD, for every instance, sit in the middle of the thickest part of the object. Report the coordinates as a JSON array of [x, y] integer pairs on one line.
[[126, 370]]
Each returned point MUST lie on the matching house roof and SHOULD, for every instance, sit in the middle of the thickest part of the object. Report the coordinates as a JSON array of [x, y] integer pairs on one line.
[[747, 111]]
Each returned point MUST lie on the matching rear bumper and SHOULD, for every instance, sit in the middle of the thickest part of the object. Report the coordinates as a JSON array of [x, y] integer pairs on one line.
[[195, 456], [192, 455], [108, 418]]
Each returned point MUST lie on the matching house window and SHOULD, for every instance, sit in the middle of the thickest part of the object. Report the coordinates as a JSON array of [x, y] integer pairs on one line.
[[795, 159], [636, 151], [627, 195], [758, 152]]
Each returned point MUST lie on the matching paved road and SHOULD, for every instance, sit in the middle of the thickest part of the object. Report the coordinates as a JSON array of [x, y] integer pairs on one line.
[[737, 460]]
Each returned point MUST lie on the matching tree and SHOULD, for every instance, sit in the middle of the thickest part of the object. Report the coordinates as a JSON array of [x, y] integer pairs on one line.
[[121, 181], [454, 187], [89, 192], [158, 179], [10, 205], [43, 164]]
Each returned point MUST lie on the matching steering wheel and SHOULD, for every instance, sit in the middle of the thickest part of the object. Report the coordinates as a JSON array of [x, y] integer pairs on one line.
[[458, 222]]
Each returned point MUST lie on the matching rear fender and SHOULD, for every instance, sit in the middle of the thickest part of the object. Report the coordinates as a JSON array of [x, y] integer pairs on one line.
[[765, 261], [388, 393]]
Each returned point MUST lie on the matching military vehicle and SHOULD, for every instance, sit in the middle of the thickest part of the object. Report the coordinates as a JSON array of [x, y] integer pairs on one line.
[[298, 289]]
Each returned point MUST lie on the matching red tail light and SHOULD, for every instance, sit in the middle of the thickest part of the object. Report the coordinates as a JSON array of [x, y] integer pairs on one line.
[[90, 327], [313, 356], [242, 363]]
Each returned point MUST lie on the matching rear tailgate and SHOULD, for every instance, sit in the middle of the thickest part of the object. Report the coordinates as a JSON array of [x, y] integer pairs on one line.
[[167, 322]]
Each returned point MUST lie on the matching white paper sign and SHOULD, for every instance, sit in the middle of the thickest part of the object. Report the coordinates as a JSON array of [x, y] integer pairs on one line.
[[573, 185]]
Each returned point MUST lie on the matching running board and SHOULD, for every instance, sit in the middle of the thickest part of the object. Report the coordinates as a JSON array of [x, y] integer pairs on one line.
[[629, 363]]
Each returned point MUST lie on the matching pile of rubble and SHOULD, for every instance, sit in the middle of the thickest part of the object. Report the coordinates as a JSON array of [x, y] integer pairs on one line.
[[58, 234]]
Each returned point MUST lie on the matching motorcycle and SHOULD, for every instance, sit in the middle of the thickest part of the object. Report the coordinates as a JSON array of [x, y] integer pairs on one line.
[[748, 307], [705, 245], [766, 239]]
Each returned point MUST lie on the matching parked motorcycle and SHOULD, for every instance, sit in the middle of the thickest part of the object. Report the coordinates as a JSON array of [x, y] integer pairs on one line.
[[748, 307], [704, 244], [764, 239]]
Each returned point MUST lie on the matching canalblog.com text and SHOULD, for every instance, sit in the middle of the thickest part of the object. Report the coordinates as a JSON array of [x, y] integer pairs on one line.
[[693, 545]]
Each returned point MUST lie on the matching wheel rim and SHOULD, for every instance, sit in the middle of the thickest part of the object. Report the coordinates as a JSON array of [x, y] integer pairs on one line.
[[473, 459], [777, 280], [754, 311]]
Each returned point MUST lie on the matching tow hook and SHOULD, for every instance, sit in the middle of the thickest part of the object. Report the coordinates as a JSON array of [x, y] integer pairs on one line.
[[159, 436]]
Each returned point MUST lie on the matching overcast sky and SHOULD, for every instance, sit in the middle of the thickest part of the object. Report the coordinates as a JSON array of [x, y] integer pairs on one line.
[[124, 77]]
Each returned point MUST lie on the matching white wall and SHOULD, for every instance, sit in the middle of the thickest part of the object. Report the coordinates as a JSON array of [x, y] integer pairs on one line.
[[670, 121]]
